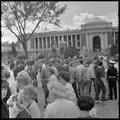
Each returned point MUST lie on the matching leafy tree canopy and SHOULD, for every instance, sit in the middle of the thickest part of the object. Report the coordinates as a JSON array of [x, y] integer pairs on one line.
[[16, 16]]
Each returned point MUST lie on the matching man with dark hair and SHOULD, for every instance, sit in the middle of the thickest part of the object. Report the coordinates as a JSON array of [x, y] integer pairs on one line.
[[85, 104], [100, 77]]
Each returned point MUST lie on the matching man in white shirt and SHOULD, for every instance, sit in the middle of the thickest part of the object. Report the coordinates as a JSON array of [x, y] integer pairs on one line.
[[86, 79], [79, 70]]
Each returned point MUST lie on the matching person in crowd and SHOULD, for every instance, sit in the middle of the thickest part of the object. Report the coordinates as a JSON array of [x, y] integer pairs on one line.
[[22, 79], [45, 74], [18, 106], [79, 70], [8, 89], [39, 77], [30, 94], [93, 77], [100, 78], [86, 103], [4, 86], [60, 107], [64, 78], [52, 65], [18, 67], [112, 79], [12, 82], [52, 77], [106, 83], [30, 70], [73, 79], [86, 79], [12, 66]]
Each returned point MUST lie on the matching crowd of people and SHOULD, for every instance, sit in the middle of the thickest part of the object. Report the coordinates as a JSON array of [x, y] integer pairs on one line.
[[67, 87]]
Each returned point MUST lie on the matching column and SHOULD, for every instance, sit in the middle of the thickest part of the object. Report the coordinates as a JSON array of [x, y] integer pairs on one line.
[[91, 42], [42, 43], [71, 40], [114, 37], [87, 41], [102, 41], [106, 40], [46, 43]]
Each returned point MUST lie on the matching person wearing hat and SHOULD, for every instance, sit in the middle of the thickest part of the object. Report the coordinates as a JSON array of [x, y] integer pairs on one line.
[[100, 78], [112, 80], [5, 111]]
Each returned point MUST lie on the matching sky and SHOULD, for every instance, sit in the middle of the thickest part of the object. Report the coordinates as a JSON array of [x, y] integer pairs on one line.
[[76, 14]]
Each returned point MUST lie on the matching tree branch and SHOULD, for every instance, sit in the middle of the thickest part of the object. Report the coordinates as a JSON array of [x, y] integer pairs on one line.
[[37, 24], [14, 34]]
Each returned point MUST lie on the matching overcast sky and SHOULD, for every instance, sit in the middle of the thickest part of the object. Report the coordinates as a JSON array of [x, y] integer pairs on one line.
[[79, 13]]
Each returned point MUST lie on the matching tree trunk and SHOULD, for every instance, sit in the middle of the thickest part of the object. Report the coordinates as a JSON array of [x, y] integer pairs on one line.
[[25, 49]]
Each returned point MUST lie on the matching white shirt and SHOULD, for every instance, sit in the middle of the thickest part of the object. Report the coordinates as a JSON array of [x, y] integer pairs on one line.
[[70, 92], [92, 71], [12, 83], [79, 69], [61, 108]]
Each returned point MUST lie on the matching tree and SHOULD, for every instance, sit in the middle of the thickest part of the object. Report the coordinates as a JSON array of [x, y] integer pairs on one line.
[[113, 50], [16, 16], [71, 51]]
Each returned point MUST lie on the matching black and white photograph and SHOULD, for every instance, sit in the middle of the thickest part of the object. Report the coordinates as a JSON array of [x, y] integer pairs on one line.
[[59, 59]]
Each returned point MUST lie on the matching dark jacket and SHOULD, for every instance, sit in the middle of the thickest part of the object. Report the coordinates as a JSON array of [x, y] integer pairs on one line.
[[4, 112]]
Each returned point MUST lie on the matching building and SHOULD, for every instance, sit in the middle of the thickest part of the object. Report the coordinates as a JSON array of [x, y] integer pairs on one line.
[[97, 34]]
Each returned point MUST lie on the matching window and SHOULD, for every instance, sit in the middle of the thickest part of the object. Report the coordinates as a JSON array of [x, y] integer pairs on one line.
[[44, 42], [69, 40], [73, 39], [36, 42], [36, 52], [56, 40], [65, 38], [60, 37], [52, 39], [40, 42], [48, 42], [78, 40]]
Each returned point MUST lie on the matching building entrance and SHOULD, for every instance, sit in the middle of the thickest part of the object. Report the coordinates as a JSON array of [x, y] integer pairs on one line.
[[96, 43]]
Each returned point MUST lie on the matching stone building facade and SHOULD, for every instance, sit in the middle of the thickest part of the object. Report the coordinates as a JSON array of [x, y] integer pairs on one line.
[[93, 35]]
